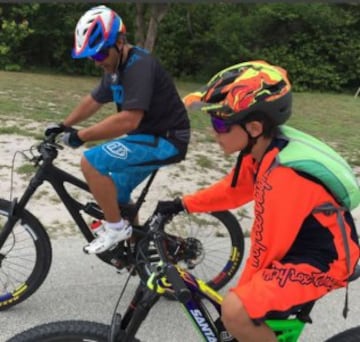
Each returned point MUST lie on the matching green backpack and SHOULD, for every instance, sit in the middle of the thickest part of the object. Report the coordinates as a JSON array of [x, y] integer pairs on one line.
[[309, 155], [313, 157]]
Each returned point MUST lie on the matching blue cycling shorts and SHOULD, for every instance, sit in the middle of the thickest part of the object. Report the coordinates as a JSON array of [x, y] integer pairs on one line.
[[129, 160]]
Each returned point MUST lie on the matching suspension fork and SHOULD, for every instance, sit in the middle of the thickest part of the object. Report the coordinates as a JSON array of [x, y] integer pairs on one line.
[[141, 304], [17, 207]]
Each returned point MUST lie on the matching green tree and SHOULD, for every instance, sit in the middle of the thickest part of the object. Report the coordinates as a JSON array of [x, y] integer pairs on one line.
[[318, 43], [14, 30], [148, 18]]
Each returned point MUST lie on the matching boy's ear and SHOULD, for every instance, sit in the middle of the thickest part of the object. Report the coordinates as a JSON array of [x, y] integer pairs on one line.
[[255, 128]]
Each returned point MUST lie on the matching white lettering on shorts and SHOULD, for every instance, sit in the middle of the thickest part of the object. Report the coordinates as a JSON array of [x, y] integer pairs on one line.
[[116, 149]]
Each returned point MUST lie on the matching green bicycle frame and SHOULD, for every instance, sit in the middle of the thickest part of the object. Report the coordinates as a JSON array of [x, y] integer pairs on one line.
[[286, 330]]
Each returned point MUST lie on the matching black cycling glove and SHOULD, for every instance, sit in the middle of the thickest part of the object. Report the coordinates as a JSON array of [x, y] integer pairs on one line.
[[71, 138], [170, 207], [54, 129]]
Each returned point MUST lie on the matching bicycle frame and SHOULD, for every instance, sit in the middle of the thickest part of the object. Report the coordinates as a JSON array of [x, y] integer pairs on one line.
[[286, 330], [57, 178]]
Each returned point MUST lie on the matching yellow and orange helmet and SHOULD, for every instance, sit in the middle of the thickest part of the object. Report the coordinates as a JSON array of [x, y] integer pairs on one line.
[[256, 86]]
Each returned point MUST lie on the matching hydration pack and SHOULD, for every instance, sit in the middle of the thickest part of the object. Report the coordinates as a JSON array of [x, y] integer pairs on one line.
[[309, 155]]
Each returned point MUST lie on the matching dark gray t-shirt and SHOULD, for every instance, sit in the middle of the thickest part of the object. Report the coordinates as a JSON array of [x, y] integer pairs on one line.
[[142, 83]]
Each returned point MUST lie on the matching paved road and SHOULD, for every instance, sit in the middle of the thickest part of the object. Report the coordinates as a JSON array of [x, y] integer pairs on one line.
[[83, 287]]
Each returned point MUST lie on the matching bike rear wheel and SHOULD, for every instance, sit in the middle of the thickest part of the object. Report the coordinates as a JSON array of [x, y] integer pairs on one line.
[[25, 258], [213, 245], [350, 335]]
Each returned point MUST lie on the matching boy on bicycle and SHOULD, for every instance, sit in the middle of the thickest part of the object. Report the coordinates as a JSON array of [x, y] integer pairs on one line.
[[149, 111], [303, 242]]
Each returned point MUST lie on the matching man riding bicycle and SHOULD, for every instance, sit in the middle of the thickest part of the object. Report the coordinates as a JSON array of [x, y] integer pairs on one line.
[[303, 241], [150, 128]]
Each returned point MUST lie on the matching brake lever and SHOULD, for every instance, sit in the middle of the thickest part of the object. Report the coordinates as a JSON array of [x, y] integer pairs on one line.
[[55, 145]]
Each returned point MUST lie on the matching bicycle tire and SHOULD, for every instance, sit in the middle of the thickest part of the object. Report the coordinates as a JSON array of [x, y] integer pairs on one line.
[[221, 239], [66, 331], [27, 245], [350, 335]]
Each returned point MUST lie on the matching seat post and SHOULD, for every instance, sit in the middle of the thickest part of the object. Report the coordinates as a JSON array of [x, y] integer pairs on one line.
[[145, 190]]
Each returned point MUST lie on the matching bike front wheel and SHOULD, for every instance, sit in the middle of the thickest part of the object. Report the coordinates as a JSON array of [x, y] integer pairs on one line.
[[212, 248], [25, 257], [66, 331], [350, 335]]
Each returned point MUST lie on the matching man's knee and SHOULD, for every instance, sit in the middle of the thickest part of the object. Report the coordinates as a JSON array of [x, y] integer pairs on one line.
[[86, 167]]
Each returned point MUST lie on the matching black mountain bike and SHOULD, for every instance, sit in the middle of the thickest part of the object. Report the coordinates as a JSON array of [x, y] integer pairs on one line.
[[161, 278], [211, 244]]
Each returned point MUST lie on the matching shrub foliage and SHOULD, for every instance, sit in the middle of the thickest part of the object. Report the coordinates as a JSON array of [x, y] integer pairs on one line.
[[318, 43]]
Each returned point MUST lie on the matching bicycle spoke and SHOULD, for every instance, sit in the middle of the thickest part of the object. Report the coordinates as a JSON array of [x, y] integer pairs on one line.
[[19, 259], [208, 241]]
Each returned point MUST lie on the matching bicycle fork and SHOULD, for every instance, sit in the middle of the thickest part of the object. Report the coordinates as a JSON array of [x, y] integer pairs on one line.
[[124, 329], [17, 207]]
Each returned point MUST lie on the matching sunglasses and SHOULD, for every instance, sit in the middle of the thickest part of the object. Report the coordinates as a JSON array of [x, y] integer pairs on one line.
[[219, 125], [101, 55]]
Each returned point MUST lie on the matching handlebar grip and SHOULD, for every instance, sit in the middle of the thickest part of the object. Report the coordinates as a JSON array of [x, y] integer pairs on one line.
[[181, 291], [51, 137]]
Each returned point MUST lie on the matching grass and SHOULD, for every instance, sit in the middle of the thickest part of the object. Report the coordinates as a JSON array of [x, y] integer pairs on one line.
[[16, 130], [334, 118], [204, 161], [25, 169]]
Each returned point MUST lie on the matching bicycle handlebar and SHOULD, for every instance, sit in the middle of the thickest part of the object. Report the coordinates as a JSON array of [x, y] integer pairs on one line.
[[47, 148], [50, 141], [157, 231]]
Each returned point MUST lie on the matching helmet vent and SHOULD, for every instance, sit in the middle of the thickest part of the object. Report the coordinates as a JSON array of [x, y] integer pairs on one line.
[[96, 40], [216, 92], [276, 88]]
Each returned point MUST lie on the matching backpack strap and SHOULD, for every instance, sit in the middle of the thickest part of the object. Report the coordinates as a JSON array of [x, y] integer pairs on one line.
[[329, 209]]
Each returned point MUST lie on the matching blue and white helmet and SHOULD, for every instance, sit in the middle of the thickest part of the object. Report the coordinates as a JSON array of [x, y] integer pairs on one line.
[[97, 29]]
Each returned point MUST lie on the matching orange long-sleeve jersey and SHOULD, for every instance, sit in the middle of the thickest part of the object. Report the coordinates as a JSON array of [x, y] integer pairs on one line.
[[285, 227]]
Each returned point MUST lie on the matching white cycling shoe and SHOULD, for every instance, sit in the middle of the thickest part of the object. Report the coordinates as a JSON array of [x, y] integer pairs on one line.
[[107, 238]]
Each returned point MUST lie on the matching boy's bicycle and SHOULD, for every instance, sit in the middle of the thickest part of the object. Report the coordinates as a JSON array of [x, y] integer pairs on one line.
[[156, 280], [211, 244]]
